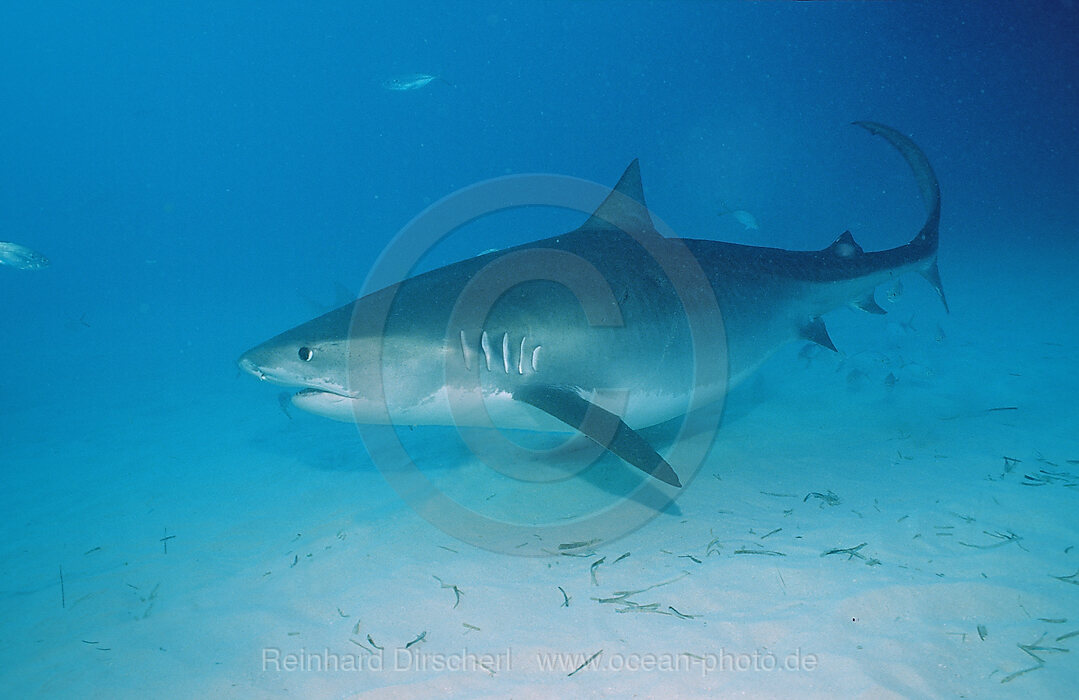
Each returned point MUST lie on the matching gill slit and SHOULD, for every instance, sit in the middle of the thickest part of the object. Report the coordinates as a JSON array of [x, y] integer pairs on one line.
[[485, 345], [522, 366], [466, 353]]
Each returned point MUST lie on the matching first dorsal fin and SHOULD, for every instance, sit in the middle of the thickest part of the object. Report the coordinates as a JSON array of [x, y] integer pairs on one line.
[[845, 246], [624, 208]]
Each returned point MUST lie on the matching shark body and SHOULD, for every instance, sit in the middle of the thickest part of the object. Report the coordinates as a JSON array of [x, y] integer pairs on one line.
[[598, 330]]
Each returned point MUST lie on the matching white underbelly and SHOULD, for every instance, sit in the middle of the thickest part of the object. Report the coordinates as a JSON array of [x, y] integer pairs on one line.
[[498, 409]]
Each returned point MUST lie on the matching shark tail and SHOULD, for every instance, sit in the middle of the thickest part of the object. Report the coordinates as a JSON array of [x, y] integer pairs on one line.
[[924, 245]]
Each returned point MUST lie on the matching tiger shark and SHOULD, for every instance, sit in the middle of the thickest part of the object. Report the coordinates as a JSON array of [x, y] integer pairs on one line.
[[603, 331]]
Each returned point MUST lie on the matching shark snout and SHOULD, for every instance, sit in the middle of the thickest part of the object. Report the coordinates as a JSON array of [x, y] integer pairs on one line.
[[269, 365], [249, 365]]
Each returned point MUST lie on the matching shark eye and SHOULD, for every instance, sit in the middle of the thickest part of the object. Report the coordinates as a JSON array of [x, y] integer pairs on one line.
[[306, 353]]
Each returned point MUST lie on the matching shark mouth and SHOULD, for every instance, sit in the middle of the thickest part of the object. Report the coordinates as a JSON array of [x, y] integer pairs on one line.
[[265, 375], [310, 395], [331, 405]]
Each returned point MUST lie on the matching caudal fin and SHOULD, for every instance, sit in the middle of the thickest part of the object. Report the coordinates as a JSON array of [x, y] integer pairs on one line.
[[924, 245]]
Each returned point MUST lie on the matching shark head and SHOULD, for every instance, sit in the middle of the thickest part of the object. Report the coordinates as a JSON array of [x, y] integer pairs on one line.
[[324, 358], [335, 362]]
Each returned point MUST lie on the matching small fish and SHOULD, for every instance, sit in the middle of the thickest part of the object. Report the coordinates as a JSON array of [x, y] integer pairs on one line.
[[855, 378], [21, 257], [283, 400], [895, 292], [808, 352], [743, 217], [412, 81]]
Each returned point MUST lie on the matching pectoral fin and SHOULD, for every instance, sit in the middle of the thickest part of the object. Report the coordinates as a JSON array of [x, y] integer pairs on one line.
[[602, 426]]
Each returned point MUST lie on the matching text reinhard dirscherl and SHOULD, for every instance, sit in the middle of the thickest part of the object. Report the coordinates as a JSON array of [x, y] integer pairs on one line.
[[327, 661]]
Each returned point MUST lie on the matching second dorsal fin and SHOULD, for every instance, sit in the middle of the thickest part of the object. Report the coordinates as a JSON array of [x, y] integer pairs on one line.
[[845, 246]]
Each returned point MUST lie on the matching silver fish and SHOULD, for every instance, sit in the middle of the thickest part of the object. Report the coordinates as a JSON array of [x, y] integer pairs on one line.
[[410, 81], [20, 257], [742, 216]]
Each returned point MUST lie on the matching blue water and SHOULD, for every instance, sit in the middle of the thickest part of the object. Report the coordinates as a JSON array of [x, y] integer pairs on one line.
[[205, 175]]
